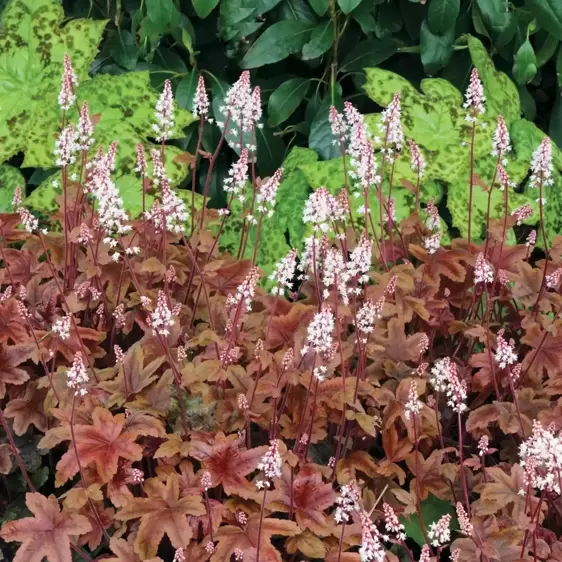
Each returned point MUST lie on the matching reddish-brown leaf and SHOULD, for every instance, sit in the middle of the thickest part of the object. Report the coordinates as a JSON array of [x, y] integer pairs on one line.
[[47, 534], [102, 444], [162, 512], [227, 461], [246, 539], [546, 357], [12, 326], [28, 409], [10, 357], [311, 497]]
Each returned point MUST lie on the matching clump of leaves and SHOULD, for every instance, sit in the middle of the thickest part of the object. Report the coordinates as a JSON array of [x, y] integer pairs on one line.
[[392, 396]]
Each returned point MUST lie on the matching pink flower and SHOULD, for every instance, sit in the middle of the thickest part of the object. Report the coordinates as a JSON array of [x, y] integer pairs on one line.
[[235, 183], [483, 270], [271, 463], [417, 160], [267, 193], [521, 214], [359, 263], [67, 97], [337, 123], [390, 118], [464, 522], [245, 291], [474, 97], [85, 128], [320, 332], [505, 352], [483, 445], [164, 113], [440, 532], [371, 549], [413, 406], [392, 523], [367, 315], [77, 376], [65, 146], [141, 160], [501, 144], [162, 319], [200, 101], [284, 273], [541, 165]]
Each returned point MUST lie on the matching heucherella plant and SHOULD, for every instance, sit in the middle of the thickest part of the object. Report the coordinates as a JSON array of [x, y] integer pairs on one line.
[[382, 399]]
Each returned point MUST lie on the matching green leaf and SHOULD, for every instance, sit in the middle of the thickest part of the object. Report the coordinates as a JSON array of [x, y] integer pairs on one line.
[[10, 178], [285, 99], [547, 50], [277, 42], [320, 6], [321, 40], [432, 510], [124, 49], [435, 119], [548, 14], [320, 137], [161, 14], [204, 7], [348, 5], [442, 15], [270, 151], [32, 47], [369, 53], [436, 50], [500, 23], [185, 92], [525, 63]]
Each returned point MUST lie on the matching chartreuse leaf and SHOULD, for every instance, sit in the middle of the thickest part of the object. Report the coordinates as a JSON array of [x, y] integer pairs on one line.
[[285, 229], [10, 178], [432, 510], [435, 119], [32, 47], [124, 106]]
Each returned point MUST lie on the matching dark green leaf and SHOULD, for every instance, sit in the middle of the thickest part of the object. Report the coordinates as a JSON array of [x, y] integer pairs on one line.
[[548, 14], [320, 137], [276, 43], [161, 14], [348, 5], [559, 67], [369, 53], [265, 6], [500, 23], [436, 50], [320, 6], [412, 14], [185, 92], [297, 10], [321, 40], [285, 99], [432, 510], [525, 63], [124, 49], [364, 16], [546, 51], [204, 7], [528, 105], [237, 18], [270, 151], [442, 15], [388, 21]]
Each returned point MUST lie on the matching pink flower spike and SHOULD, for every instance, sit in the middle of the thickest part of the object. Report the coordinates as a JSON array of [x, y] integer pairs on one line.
[[501, 144], [475, 97], [541, 165], [201, 100], [164, 114], [69, 83]]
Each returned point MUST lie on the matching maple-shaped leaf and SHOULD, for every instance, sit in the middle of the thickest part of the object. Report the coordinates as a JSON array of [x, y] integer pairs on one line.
[[503, 492], [162, 512], [546, 356], [125, 552], [310, 498], [133, 376], [28, 409], [245, 538], [47, 534], [528, 281], [102, 444], [22, 264], [12, 326], [429, 473], [83, 337], [398, 346], [227, 461], [10, 357], [441, 263]]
